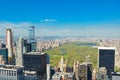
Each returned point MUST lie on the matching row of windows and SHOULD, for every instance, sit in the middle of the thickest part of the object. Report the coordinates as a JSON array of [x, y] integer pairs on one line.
[[7, 73]]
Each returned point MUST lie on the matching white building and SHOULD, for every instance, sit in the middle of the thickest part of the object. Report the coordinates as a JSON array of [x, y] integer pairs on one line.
[[11, 72], [19, 54]]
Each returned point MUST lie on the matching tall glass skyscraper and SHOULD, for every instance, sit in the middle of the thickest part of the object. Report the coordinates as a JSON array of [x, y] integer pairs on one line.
[[32, 40], [31, 33], [106, 58]]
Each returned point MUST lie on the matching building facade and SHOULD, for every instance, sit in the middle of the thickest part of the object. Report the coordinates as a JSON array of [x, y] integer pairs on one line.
[[11, 72], [19, 54], [9, 42], [31, 33], [106, 58], [4, 53], [35, 61], [85, 71]]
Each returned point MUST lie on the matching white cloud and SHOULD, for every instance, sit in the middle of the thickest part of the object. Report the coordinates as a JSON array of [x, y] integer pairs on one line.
[[48, 20]]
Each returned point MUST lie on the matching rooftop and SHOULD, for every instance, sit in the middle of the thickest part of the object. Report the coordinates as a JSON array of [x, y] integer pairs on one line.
[[10, 67], [109, 48]]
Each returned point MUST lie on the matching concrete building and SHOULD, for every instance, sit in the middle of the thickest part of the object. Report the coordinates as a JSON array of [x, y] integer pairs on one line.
[[19, 54], [106, 58], [9, 42], [11, 72], [102, 74]]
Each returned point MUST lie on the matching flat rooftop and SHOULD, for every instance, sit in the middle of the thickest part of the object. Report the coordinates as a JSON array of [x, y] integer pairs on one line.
[[108, 48], [10, 67]]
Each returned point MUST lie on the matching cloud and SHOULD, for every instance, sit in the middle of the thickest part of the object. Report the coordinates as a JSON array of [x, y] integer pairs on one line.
[[48, 20]]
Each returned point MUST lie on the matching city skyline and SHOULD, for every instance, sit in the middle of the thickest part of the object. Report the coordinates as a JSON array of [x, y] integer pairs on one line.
[[61, 18]]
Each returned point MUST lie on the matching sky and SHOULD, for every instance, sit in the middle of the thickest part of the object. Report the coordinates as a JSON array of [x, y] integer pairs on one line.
[[61, 17]]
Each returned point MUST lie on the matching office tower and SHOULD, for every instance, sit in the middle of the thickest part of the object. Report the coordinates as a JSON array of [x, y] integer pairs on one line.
[[33, 46], [31, 33], [9, 43], [19, 54], [4, 53], [106, 58], [76, 69], [32, 40], [85, 71], [62, 62], [35, 61], [11, 72], [48, 66]]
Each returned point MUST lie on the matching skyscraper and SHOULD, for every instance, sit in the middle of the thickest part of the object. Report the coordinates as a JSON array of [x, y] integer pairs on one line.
[[9, 43], [32, 40], [19, 54], [85, 71], [48, 66], [31, 33], [106, 58]]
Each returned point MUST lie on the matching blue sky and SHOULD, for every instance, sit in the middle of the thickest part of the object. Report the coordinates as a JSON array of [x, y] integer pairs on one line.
[[62, 17]]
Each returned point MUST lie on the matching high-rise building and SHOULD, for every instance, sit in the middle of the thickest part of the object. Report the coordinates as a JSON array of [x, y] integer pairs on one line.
[[32, 40], [48, 66], [85, 71], [33, 46], [19, 54], [35, 61], [4, 53], [106, 58], [9, 42], [31, 33]]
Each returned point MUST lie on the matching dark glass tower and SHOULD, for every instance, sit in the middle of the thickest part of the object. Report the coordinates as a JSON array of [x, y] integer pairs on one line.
[[106, 58], [31, 33], [4, 52]]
